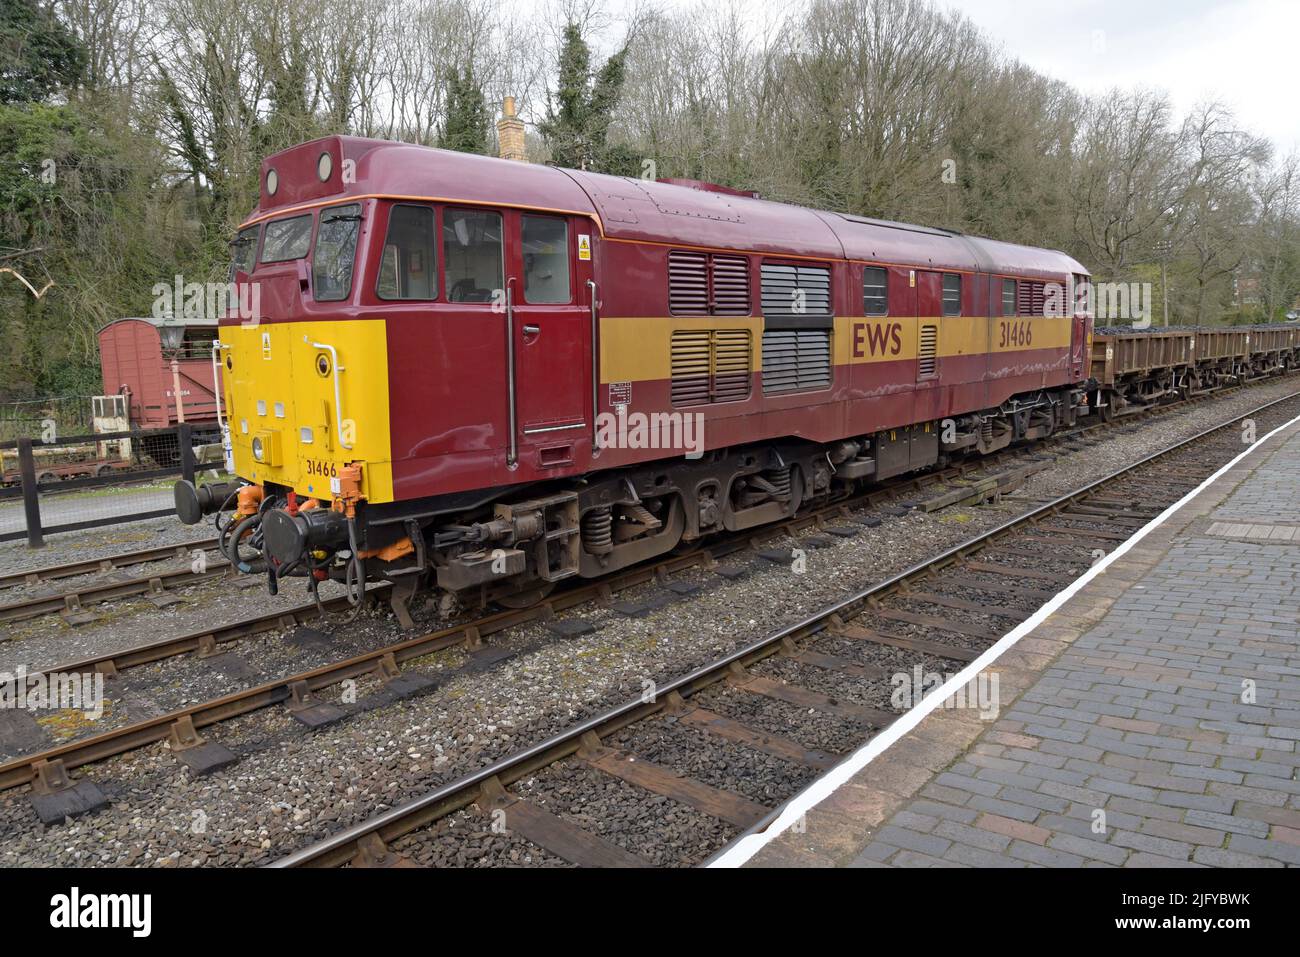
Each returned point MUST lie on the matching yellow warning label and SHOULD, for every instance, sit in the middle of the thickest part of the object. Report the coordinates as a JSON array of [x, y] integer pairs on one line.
[[584, 246]]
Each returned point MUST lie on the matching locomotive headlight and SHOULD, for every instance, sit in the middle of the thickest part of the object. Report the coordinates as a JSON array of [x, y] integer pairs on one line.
[[265, 447]]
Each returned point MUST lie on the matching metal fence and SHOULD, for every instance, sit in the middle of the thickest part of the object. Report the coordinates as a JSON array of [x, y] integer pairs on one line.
[[40, 418], [89, 481]]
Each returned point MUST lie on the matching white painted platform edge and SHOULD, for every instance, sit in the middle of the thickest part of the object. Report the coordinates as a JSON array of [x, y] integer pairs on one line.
[[830, 782]]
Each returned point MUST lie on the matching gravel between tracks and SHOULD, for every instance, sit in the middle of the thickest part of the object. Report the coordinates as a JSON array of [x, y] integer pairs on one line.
[[293, 787]]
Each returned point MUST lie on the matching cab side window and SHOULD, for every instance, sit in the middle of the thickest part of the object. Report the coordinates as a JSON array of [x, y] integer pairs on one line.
[[951, 294], [875, 291], [546, 259], [1008, 297], [471, 252], [408, 269]]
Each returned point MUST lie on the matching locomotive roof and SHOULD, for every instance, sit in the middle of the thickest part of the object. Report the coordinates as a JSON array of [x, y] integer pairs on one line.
[[632, 209]]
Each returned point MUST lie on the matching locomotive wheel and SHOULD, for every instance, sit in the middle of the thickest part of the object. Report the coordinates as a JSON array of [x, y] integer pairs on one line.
[[527, 598]]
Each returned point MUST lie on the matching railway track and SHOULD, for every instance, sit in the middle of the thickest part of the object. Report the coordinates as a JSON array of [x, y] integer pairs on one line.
[[295, 692], [91, 565], [73, 603], [833, 664]]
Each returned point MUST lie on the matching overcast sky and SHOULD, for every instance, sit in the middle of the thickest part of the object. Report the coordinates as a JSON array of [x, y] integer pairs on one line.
[[1245, 53]]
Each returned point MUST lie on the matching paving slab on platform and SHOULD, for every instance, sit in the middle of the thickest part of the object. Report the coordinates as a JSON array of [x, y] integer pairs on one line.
[[1152, 720]]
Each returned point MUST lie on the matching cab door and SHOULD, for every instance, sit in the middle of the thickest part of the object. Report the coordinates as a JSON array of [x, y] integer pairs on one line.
[[1080, 334], [549, 314], [929, 316]]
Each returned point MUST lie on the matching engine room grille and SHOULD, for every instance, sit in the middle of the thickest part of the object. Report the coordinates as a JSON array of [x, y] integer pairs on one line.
[[796, 290], [731, 287], [928, 351], [710, 365], [1031, 297], [688, 282], [707, 285], [796, 360]]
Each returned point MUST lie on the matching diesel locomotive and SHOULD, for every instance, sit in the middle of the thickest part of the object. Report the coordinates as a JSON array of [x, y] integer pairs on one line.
[[484, 377]]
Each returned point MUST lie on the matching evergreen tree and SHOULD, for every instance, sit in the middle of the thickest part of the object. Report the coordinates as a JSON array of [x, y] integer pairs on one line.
[[466, 126], [578, 116], [38, 56]]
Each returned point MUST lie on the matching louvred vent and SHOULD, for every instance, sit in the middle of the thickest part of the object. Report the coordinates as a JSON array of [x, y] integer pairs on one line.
[[703, 284], [710, 365], [688, 282], [1032, 298]]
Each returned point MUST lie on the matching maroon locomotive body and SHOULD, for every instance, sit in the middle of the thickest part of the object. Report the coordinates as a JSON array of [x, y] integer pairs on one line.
[[492, 376]]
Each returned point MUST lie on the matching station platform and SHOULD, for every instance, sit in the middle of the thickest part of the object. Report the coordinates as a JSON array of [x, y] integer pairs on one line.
[[1150, 719]]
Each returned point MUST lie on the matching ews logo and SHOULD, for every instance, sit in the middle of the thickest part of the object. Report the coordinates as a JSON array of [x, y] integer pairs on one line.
[[877, 339]]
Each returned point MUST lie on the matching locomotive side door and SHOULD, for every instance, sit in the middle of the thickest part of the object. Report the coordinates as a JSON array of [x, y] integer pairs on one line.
[[548, 261], [1079, 337], [929, 318]]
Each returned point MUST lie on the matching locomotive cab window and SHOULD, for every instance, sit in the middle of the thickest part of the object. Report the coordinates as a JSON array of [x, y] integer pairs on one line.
[[335, 253], [287, 239], [1008, 297], [408, 269], [546, 259], [243, 252], [471, 253], [875, 291], [951, 294]]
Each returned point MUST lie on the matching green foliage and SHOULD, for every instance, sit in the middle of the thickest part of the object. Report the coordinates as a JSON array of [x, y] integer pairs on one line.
[[579, 115], [466, 126], [38, 56]]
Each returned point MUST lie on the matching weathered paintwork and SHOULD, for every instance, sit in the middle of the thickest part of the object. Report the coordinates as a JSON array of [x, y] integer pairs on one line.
[[132, 363], [426, 383]]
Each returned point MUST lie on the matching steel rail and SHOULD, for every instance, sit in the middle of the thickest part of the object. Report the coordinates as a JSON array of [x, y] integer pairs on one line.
[[107, 563], [22, 770], [340, 848], [207, 641], [88, 750], [39, 605]]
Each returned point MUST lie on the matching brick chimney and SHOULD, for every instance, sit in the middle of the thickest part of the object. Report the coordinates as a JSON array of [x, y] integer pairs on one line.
[[510, 133]]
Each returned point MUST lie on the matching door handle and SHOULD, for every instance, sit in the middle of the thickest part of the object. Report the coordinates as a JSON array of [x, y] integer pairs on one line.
[[532, 330]]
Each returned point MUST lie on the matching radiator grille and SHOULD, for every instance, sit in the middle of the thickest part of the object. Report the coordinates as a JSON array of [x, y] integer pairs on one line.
[[796, 360], [782, 285]]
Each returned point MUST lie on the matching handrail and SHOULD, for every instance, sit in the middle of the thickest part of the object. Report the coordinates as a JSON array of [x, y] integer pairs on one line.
[[595, 368], [512, 455], [338, 399], [216, 379]]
